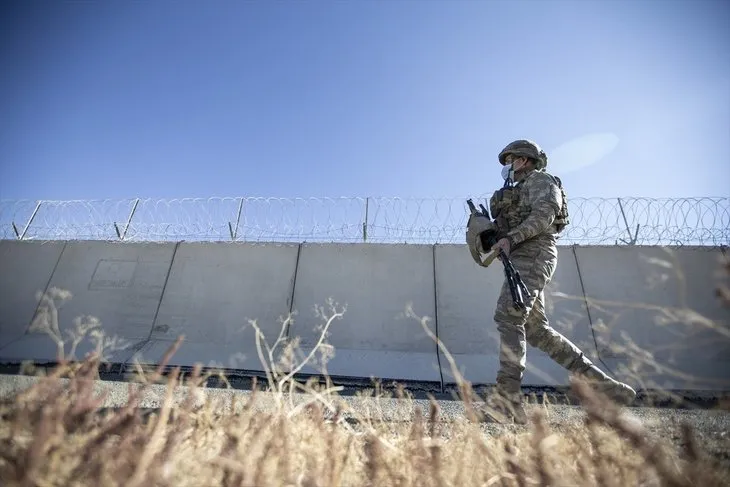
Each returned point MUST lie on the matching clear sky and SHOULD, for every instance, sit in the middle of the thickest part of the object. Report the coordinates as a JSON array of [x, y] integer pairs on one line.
[[361, 98]]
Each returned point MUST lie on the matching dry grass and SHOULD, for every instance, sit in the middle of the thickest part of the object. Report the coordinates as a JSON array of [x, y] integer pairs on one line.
[[53, 434]]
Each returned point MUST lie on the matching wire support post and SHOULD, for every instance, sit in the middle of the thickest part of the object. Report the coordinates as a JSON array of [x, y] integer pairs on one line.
[[123, 234], [632, 238], [365, 221], [234, 232], [21, 235]]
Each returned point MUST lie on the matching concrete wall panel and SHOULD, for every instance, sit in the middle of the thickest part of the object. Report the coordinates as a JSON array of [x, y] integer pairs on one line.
[[664, 301], [120, 284], [212, 292], [467, 296], [376, 283], [25, 269]]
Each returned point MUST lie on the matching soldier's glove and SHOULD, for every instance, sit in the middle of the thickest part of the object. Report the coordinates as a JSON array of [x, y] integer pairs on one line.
[[504, 244]]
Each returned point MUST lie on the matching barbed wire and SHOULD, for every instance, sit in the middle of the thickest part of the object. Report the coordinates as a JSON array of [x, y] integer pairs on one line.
[[698, 221]]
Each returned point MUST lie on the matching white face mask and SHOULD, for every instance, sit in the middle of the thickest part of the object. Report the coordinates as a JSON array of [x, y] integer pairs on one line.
[[507, 172]]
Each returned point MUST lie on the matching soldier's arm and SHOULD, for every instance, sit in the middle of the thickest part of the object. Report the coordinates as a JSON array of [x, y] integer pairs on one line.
[[545, 201]]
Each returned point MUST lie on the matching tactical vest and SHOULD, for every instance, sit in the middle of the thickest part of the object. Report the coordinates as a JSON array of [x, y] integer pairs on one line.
[[508, 212], [562, 220]]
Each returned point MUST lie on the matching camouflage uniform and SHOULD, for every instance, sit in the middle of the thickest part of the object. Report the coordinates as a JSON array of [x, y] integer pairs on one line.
[[529, 215]]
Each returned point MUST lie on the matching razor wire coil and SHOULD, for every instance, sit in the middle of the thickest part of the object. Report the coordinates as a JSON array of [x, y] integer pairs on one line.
[[701, 221]]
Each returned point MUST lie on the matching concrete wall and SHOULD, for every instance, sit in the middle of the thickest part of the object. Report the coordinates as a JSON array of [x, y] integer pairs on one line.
[[212, 291], [119, 284], [25, 268], [661, 300], [376, 283], [148, 294]]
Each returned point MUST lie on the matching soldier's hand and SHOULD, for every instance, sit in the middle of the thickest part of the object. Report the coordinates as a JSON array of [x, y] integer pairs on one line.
[[503, 244]]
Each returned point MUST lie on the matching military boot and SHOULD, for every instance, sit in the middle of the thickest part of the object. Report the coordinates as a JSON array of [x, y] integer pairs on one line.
[[504, 408], [618, 392]]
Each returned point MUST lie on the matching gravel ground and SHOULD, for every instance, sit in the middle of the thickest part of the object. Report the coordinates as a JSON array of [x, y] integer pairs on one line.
[[711, 426]]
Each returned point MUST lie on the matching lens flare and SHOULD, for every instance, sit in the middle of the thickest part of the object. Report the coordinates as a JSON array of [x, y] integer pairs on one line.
[[581, 152]]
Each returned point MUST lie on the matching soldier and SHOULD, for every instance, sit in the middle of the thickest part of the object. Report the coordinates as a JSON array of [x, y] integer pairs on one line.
[[529, 211]]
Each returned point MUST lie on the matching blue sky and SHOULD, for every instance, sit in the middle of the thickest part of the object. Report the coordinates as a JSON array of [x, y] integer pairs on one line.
[[361, 98]]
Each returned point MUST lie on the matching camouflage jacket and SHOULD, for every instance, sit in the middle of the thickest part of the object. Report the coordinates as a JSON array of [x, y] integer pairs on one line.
[[536, 206]]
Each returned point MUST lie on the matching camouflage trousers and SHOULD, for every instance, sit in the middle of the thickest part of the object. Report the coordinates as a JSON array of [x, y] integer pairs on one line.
[[536, 262]]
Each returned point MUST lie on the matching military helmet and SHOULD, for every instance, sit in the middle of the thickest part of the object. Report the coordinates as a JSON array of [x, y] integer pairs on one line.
[[525, 148]]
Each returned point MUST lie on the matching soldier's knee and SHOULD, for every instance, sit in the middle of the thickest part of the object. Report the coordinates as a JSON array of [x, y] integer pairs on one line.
[[510, 316], [536, 335], [510, 325]]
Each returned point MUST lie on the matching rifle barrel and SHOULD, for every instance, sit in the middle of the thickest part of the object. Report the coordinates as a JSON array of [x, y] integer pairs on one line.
[[472, 208]]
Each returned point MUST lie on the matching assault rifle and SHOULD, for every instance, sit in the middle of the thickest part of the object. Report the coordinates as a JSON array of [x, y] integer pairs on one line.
[[516, 284]]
